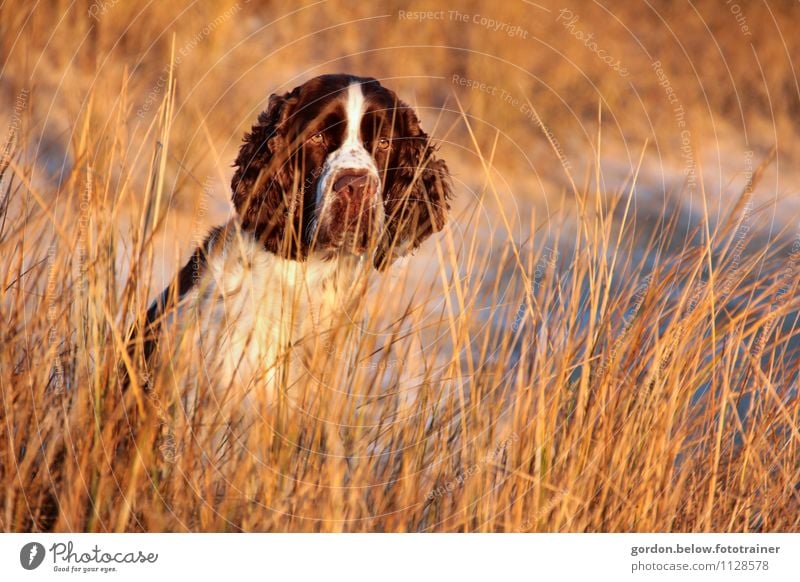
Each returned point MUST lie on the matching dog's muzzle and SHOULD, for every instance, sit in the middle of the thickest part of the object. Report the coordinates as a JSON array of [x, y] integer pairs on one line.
[[356, 186]]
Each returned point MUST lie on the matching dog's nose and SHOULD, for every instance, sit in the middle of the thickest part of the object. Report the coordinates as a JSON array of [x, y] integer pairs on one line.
[[355, 183]]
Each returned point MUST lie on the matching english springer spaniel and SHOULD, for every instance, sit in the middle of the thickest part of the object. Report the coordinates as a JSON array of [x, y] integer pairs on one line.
[[335, 179]]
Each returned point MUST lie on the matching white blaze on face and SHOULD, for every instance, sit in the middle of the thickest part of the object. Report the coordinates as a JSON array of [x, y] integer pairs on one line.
[[354, 112], [351, 155]]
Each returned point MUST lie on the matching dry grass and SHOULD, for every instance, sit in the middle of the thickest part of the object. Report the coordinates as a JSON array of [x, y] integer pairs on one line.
[[641, 377]]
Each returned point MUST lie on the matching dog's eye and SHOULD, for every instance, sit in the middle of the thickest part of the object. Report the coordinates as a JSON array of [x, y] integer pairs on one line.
[[317, 139], [383, 144]]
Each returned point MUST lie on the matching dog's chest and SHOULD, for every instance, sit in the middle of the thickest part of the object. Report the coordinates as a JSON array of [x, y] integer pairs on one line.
[[258, 310]]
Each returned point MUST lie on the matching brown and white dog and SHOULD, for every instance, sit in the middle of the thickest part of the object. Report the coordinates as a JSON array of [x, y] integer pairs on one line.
[[336, 179]]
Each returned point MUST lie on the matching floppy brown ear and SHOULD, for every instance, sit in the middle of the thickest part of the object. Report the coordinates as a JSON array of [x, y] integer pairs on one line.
[[263, 179], [417, 192]]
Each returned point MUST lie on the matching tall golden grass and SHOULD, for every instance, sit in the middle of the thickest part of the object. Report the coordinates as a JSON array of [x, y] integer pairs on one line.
[[574, 369]]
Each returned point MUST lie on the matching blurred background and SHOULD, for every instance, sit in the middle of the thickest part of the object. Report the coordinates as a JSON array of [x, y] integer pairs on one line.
[[699, 90]]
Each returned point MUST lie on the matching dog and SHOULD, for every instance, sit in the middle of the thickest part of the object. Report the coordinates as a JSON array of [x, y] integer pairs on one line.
[[335, 180]]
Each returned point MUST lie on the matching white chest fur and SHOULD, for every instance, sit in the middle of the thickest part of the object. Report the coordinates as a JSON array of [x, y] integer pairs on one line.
[[255, 313]]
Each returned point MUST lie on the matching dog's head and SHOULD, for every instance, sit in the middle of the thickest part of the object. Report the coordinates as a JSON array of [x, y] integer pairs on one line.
[[340, 165]]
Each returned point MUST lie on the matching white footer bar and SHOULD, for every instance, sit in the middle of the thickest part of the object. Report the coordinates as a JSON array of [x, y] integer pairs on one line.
[[402, 557]]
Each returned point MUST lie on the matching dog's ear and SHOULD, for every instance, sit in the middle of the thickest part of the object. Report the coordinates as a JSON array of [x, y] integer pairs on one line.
[[264, 177], [417, 191]]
